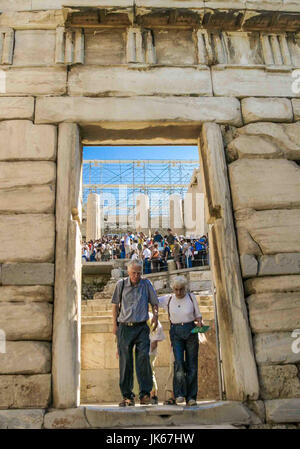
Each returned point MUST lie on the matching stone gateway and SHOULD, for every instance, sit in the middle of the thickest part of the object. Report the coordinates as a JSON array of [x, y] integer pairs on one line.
[[223, 75]]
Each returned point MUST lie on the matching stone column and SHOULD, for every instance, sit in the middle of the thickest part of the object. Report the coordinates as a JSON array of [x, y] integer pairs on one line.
[[239, 366], [176, 216], [195, 221], [67, 293], [93, 217], [142, 213]]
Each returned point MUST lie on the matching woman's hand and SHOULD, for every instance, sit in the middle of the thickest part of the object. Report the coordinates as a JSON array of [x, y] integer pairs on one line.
[[199, 322]]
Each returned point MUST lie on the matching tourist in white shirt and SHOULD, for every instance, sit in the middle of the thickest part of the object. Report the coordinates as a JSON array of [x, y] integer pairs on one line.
[[134, 255], [184, 315], [146, 258], [127, 245]]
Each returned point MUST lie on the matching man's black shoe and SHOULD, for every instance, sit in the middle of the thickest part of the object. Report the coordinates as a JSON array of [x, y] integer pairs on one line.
[[127, 402]]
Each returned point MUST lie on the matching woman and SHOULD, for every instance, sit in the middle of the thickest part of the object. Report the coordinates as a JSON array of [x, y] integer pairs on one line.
[[184, 315], [176, 253], [189, 255], [155, 258]]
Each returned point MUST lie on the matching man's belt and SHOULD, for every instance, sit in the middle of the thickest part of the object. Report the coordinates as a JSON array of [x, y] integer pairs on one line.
[[128, 323]]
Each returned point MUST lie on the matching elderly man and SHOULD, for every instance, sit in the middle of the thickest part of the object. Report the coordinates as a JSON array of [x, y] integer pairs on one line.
[[130, 314]]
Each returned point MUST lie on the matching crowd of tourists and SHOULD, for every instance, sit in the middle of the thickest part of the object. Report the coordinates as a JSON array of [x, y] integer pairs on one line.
[[154, 251]]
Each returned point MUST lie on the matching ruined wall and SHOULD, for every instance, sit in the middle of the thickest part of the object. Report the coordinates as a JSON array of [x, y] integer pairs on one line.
[[264, 177], [154, 74], [27, 229]]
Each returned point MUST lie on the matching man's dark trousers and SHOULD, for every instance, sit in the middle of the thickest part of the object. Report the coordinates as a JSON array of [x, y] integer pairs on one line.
[[128, 336]]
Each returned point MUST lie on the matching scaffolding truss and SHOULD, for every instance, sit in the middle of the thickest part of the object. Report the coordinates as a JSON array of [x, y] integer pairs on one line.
[[118, 182]]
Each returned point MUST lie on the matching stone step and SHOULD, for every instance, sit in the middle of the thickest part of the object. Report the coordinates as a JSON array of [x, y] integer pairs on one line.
[[212, 413], [104, 313], [103, 301], [107, 319], [108, 306], [100, 327]]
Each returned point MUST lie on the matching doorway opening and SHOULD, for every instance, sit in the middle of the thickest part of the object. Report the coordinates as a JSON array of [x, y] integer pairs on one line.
[[133, 195]]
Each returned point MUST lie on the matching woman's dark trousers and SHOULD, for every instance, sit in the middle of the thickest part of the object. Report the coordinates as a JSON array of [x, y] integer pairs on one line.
[[185, 347]]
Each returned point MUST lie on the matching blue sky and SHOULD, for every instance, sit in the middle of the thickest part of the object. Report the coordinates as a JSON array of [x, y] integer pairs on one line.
[[155, 174], [141, 152]]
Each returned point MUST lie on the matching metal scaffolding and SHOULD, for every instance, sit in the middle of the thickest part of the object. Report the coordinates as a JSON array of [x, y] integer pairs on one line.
[[119, 181]]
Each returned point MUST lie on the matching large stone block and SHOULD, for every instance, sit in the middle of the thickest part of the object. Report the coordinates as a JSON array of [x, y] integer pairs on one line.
[[266, 109], [99, 351], [34, 47], [283, 410], [31, 321], [35, 81], [21, 140], [249, 265], [35, 293], [123, 81], [21, 419], [278, 381], [222, 412], [32, 391], [174, 47], [105, 48], [252, 147], [28, 274], [272, 139], [92, 382], [26, 357], [288, 263], [32, 20], [251, 82], [276, 348], [36, 199], [138, 109], [20, 234], [22, 5], [268, 231], [22, 174], [66, 419], [264, 184], [57, 4], [271, 312], [93, 351], [19, 391], [296, 108], [16, 108], [182, 4], [272, 284], [258, 408]]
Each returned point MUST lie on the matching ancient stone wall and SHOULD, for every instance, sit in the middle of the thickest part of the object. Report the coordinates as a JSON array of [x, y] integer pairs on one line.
[[264, 176], [27, 228], [147, 71]]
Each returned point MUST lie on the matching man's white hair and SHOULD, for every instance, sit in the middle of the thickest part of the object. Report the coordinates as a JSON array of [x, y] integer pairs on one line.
[[179, 281], [135, 263]]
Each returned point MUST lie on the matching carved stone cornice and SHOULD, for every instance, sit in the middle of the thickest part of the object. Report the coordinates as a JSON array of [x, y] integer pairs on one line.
[[225, 20], [229, 16]]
